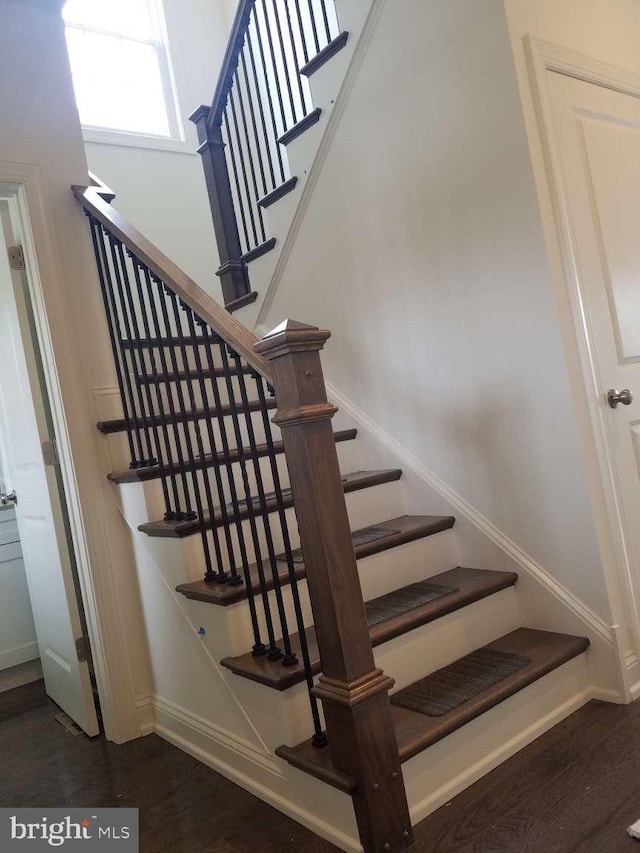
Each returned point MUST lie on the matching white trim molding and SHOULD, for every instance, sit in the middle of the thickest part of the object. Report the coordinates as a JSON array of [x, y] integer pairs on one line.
[[83, 487], [461, 506], [621, 575], [202, 737]]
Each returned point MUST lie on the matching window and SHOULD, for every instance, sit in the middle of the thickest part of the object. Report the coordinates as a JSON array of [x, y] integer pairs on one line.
[[120, 66]]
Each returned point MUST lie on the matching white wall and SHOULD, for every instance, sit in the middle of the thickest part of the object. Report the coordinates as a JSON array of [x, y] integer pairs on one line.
[[161, 192], [422, 250], [40, 136]]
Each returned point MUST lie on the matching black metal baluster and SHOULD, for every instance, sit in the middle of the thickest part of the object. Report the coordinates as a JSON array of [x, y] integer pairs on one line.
[[296, 62], [314, 28], [136, 346], [259, 648], [254, 123], [319, 737], [325, 19], [243, 166], [252, 169], [285, 64], [269, 98], [274, 66], [288, 658], [303, 37], [187, 512], [177, 305], [184, 412], [164, 459], [135, 423], [236, 178], [97, 235], [221, 576], [274, 652]]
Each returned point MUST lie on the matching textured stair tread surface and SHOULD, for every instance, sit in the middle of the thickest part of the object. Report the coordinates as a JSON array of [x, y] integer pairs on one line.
[[405, 528], [403, 609], [545, 650], [136, 475], [177, 529], [416, 731], [121, 424]]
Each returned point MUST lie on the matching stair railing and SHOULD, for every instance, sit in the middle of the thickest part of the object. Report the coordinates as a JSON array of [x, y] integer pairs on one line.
[[261, 95], [173, 347]]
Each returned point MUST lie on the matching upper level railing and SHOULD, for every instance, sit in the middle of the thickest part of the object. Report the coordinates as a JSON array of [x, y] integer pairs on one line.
[[197, 389], [261, 97]]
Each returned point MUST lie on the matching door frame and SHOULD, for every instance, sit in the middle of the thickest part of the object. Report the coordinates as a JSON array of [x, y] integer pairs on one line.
[[23, 186], [622, 575]]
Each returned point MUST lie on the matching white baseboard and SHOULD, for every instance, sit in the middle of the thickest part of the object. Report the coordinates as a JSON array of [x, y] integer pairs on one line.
[[223, 752], [144, 710], [19, 675], [206, 736], [493, 759], [19, 655]]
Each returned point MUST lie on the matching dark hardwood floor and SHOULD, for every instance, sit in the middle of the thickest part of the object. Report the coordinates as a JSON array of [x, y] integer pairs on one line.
[[575, 790]]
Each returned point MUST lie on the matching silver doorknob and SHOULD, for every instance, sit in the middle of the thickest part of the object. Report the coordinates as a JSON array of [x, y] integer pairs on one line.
[[614, 397], [4, 498]]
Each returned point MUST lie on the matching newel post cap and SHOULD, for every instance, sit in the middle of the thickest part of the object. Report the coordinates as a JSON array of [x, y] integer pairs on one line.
[[291, 336], [202, 112]]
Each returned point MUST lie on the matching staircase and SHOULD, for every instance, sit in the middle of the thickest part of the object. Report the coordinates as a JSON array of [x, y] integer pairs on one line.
[[280, 81], [242, 494], [291, 560]]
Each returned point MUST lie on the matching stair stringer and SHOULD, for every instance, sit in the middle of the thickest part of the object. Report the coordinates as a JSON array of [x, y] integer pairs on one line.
[[544, 602], [329, 89], [200, 708]]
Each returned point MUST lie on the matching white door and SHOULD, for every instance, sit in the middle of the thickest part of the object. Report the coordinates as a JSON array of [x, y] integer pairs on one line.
[[597, 143], [25, 425]]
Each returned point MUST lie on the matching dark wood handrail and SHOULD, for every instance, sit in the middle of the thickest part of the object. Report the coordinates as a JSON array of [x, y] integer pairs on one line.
[[230, 61], [223, 323], [102, 189]]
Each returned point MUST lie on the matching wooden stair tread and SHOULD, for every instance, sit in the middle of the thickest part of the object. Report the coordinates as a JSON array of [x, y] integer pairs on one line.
[[415, 732], [121, 424], [299, 128], [136, 475], [164, 342], [280, 191], [183, 375], [325, 54], [406, 529], [470, 585], [177, 529]]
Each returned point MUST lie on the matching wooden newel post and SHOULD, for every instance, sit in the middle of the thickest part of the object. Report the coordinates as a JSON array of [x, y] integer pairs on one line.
[[232, 272], [353, 691]]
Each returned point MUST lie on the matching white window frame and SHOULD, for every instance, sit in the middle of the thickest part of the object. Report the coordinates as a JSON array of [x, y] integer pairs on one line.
[[176, 140]]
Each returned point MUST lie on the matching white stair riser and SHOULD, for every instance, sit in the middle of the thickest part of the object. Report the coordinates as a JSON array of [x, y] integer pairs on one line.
[[416, 653], [433, 646], [365, 507], [436, 775], [379, 574], [348, 460]]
